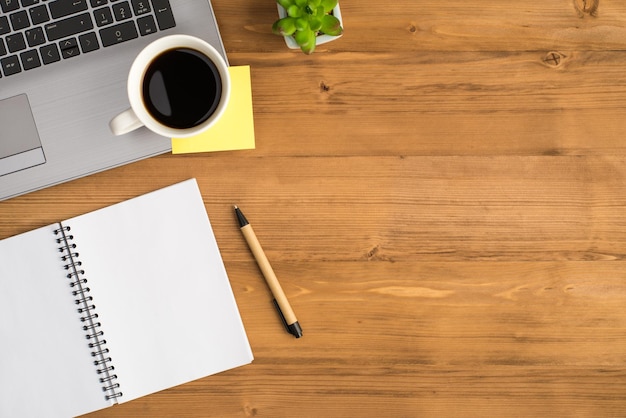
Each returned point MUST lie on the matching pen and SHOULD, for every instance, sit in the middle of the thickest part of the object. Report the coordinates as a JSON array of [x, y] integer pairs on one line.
[[280, 300]]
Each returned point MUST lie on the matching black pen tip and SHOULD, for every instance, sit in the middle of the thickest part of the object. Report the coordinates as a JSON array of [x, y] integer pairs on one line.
[[240, 218], [295, 330]]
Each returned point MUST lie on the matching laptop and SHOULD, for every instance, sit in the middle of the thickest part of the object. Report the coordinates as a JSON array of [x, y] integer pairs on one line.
[[63, 71]]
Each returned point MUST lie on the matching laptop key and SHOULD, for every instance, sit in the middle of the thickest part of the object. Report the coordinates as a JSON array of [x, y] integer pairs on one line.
[[164, 15], [3, 50], [19, 20], [15, 42], [9, 5], [122, 11], [68, 27], [118, 33], [141, 7], [146, 25], [35, 37], [10, 65], [88, 42], [4, 25], [30, 59], [103, 16], [39, 14], [69, 48], [27, 3], [49, 54], [62, 8]]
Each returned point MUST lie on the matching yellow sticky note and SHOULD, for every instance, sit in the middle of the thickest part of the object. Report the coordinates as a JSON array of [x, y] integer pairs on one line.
[[235, 129]]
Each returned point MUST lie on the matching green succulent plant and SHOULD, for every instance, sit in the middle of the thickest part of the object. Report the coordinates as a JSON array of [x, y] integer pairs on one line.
[[305, 20]]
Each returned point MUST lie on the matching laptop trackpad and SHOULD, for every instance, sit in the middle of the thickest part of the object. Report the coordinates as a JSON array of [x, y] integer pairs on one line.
[[20, 147]]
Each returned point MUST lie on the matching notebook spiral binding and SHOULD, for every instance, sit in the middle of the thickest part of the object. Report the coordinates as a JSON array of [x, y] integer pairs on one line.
[[88, 316]]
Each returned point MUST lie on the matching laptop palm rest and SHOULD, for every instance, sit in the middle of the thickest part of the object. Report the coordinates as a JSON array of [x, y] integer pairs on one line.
[[20, 147]]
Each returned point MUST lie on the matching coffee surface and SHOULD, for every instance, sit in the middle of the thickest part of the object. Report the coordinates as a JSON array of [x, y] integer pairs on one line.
[[181, 88]]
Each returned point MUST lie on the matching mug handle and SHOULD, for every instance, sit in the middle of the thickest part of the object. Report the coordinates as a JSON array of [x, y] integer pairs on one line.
[[125, 122]]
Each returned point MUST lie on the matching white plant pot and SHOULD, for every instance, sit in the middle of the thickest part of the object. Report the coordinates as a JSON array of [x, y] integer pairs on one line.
[[321, 39]]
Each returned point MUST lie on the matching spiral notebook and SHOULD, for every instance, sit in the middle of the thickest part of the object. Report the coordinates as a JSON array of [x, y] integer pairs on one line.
[[113, 305]]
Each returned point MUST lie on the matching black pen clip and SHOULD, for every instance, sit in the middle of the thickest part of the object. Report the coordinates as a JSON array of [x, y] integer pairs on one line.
[[294, 329]]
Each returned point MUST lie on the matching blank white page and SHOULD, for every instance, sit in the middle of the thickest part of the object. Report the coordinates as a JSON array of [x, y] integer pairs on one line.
[[160, 289], [46, 369]]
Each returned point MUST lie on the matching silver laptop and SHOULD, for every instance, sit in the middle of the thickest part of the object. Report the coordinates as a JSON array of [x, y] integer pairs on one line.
[[63, 69]]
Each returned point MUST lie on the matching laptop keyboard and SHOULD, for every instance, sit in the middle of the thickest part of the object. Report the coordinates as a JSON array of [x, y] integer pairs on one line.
[[36, 33]]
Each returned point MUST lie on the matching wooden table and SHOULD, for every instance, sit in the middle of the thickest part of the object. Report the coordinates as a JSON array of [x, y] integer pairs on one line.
[[442, 193]]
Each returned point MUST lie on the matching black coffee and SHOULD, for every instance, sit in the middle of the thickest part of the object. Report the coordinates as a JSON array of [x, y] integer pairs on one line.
[[181, 88]]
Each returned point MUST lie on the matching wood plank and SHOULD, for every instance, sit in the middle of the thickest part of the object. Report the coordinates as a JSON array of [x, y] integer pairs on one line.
[[463, 207], [448, 25]]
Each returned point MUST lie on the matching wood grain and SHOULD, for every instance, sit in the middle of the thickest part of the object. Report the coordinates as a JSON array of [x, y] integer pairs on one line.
[[441, 193]]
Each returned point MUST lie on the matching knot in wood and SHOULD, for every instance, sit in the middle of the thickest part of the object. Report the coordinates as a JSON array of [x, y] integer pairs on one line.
[[587, 7], [553, 59]]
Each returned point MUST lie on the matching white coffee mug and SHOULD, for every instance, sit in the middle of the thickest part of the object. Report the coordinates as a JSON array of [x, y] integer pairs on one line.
[[178, 86]]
